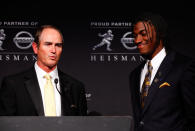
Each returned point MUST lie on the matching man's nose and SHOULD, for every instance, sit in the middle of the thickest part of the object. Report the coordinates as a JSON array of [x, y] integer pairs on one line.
[[53, 49], [138, 39]]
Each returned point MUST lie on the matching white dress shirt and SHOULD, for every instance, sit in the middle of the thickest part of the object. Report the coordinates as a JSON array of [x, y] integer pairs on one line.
[[156, 61], [41, 80]]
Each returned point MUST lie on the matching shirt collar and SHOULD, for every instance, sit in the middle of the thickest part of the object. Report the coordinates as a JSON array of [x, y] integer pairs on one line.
[[41, 72], [156, 60]]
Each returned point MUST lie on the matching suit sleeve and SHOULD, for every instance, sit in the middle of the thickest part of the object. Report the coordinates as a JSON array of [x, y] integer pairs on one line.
[[82, 102], [7, 98], [188, 93]]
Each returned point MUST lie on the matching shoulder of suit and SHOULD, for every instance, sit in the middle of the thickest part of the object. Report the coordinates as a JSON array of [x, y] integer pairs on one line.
[[137, 69], [20, 74], [183, 59], [69, 78]]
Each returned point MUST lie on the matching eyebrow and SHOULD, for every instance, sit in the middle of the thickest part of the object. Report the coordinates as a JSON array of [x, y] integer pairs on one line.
[[47, 42], [142, 31]]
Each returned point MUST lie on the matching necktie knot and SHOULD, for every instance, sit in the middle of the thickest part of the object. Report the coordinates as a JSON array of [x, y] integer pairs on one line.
[[47, 76], [150, 66]]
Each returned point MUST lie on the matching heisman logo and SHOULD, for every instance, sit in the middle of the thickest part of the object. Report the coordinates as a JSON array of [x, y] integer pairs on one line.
[[127, 41], [106, 40], [2, 38]]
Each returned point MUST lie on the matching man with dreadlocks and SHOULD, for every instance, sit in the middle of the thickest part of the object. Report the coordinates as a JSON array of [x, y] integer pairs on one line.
[[163, 87]]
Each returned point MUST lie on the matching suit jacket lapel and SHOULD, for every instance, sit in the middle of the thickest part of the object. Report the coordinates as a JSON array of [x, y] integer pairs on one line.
[[32, 86], [135, 87], [137, 82], [66, 99], [159, 77]]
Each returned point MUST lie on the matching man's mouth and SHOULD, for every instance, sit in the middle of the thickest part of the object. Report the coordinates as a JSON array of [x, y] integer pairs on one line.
[[52, 57], [141, 45]]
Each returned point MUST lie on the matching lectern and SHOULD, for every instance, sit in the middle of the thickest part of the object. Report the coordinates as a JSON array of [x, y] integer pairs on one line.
[[66, 123]]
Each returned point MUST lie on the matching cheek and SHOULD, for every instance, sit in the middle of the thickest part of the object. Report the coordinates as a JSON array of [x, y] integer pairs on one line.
[[145, 39], [42, 54], [151, 48], [59, 52]]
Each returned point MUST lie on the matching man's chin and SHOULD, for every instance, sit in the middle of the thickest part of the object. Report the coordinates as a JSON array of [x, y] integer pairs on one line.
[[51, 65], [146, 56]]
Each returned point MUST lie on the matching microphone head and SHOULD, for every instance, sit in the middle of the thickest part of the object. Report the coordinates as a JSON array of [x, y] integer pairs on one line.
[[56, 80]]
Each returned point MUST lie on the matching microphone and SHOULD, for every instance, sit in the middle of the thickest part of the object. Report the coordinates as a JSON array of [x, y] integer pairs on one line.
[[56, 82], [72, 106]]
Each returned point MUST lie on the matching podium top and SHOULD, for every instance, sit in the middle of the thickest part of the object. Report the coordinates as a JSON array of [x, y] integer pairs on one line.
[[66, 123]]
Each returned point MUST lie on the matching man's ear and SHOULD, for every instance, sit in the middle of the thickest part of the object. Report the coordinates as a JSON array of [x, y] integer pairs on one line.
[[35, 47]]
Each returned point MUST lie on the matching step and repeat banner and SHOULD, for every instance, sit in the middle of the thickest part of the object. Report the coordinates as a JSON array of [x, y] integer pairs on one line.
[[99, 51]]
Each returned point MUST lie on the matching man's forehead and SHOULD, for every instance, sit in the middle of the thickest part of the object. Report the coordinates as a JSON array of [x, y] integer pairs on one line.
[[139, 26], [142, 25]]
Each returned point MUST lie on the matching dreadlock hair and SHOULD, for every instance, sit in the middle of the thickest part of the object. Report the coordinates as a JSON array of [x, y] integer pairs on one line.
[[157, 21]]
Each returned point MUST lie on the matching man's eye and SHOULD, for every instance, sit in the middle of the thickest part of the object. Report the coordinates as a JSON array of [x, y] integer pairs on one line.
[[59, 45], [47, 44], [144, 34]]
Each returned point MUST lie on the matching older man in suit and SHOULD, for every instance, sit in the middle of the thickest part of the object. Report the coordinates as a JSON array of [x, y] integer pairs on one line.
[[163, 87], [43, 90]]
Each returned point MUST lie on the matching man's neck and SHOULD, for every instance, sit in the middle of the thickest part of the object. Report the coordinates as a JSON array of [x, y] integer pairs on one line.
[[46, 68]]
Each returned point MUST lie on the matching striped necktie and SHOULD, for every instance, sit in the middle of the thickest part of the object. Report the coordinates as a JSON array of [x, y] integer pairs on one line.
[[146, 84]]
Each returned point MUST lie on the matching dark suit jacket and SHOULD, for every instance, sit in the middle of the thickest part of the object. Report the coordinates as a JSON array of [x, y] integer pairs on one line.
[[169, 106], [20, 95]]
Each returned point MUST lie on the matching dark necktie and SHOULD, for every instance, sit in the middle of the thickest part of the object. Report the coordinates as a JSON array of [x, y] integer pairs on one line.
[[146, 84]]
